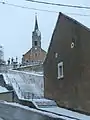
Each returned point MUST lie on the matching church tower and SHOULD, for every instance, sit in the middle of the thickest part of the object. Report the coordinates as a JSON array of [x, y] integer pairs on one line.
[[36, 54], [36, 36]]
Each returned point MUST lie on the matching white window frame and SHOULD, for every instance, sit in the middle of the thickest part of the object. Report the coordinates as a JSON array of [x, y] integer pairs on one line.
[[59, 75]]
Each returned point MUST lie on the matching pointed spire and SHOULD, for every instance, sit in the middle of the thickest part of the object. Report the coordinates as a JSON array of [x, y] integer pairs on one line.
[[36, 23]]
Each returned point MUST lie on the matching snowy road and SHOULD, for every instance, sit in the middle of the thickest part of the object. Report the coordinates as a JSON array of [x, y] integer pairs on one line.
[[9, 112]]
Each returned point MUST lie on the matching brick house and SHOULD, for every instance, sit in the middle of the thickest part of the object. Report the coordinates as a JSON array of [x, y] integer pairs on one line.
[[67, 65]]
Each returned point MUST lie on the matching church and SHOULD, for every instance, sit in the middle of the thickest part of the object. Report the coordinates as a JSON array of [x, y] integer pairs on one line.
[[36, 54]]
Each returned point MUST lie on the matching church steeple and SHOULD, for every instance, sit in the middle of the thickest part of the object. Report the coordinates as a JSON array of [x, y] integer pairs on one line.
[[36, 35], [36, 23]]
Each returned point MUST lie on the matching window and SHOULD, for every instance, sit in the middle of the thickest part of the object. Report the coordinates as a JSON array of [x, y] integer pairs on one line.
[[60, 70], [72, 45], [35, 54], [35, 43], [26, 60]]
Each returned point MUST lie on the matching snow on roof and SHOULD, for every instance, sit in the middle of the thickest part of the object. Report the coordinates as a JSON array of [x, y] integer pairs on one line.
[[74, 115], [6, 78], [41, 73], [38, 111], [24, 83], [63, 112], [29, 73], [42, 100], [15, 77], [1, 118], [36, 64], [3, 89], [29, 87], [66, 112]]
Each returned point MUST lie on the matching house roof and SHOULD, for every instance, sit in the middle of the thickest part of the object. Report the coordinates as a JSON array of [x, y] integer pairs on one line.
[[75, 21], [58, 19]]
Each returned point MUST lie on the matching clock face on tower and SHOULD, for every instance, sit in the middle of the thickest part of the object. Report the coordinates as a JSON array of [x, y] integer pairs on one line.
[[38, 32]]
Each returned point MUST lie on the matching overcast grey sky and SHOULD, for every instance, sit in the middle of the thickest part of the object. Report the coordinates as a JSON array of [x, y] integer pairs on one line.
[[17, 24]]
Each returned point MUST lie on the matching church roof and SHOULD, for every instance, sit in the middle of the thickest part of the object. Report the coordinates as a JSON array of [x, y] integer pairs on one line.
[[43, 50], [31, 49], [27, 52]]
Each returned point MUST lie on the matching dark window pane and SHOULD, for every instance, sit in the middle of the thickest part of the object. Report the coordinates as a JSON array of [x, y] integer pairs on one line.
[[35, 54], [60, 69], [35, 43]]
